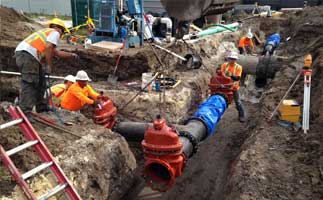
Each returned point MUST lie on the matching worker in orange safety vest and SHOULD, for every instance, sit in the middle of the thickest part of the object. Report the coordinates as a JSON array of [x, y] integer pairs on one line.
[[246, 45], [80, 94], [59, 90], [34, 57], [233, 70]]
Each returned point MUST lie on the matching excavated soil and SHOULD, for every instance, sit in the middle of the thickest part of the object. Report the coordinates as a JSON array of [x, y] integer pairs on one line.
[[255, 160]]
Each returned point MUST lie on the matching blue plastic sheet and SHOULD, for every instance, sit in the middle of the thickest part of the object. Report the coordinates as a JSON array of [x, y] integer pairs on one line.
[[211, 111], [274, 39]]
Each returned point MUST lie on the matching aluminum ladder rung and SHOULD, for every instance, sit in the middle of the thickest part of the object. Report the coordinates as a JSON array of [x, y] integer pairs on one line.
[[11, 123], [36, 170], [54, 191], [21, 147]]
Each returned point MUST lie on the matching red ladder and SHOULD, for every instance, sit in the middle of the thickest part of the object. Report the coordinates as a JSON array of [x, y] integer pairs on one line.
[[42, 151]]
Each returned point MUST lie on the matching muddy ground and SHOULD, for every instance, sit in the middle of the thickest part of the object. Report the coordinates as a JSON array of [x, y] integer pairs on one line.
[[255, 160]]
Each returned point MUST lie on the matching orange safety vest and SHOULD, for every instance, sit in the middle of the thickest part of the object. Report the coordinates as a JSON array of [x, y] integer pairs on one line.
[[232, 71], [76, 97], [38, 41], [244, 42]]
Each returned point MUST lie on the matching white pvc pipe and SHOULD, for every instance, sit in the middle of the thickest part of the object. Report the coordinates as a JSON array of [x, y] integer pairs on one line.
[[169, 25], [19, 74]]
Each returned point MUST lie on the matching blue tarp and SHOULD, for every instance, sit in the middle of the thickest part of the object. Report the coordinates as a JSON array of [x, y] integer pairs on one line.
[[211, 111], [275, 39]]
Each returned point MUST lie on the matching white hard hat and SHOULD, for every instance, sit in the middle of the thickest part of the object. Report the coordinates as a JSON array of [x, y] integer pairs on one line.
[[233, 55], [70, 78], [249, 35], [82, 76]]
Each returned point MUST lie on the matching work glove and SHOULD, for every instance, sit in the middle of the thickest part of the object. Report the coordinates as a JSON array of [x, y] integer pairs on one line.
[[228, 74], [75, 56], [97, 104]]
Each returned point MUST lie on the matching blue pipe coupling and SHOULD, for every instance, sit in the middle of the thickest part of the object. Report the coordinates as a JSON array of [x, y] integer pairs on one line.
[[211, 111]]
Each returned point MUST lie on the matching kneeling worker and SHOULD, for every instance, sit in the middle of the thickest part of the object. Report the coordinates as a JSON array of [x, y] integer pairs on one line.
[[233, 70], [79, 94], [59, 90], [271, 44]]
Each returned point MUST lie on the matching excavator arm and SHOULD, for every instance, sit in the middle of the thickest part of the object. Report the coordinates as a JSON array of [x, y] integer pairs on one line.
[[188, 10]]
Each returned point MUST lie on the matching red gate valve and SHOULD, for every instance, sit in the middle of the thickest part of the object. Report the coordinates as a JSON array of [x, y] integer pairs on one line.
[[164, 159], [105, 113], [221, 85]]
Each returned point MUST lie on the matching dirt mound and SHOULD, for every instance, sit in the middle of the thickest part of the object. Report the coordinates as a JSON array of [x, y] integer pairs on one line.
[[11, 35], [100, 163]]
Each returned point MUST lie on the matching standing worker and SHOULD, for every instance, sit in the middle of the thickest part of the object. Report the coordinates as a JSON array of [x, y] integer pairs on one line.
[[271, 44], [246, 45], [233, 70], [32, 54], [80, 94], [59, 90]]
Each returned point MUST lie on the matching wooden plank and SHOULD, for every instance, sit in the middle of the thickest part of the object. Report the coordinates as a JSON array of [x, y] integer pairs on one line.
[[106, 45]]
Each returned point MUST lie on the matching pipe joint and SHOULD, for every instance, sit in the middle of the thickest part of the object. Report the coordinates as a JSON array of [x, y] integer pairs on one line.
[[192, 139]]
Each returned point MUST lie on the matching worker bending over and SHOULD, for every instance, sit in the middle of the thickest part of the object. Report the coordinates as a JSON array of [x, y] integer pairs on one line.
[[246, 45], [233, 70], [80, 94], [271, 44], [59, 90], [32, 55]]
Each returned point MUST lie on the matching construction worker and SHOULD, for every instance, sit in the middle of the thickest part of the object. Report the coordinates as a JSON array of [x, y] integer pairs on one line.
[[233, 70], [59, 90], [32, 56], [80, 94], [271, 44], [246, 45]]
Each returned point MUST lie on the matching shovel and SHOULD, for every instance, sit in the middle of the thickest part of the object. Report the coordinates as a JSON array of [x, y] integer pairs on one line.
[[190, 60], [112, 77]]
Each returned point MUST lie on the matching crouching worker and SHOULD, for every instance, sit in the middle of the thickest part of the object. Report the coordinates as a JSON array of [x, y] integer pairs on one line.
[[59, 90], [271, 44], [80, 94], [233, 70]]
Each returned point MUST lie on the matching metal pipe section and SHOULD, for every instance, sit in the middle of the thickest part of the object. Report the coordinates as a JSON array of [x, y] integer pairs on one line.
[[201, 125], [132, 131], [19, 74], [263, 67]]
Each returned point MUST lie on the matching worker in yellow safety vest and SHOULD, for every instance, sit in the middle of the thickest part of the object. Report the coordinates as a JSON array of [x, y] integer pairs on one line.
[[34, 57], [80, 94], [59, 90], [233, 70]]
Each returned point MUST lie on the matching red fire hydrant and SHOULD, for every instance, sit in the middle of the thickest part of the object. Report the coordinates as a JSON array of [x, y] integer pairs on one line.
[[163, 155]]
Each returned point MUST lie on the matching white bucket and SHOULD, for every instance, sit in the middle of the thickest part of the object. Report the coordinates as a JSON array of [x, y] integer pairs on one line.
[[87, 43], [145, 79]]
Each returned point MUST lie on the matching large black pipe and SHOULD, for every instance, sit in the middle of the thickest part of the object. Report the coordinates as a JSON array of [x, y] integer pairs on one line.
[[135, 132], [195, 130], [263, 67]]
